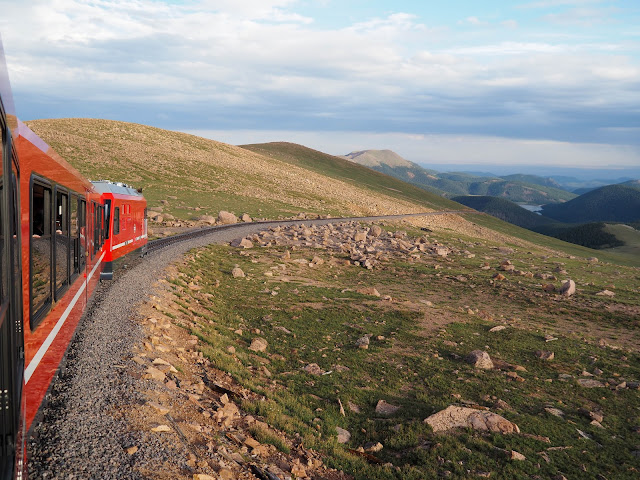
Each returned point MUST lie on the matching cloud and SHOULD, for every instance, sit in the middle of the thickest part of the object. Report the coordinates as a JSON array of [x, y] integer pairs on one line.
[[233, 64], [447, 149], [585, 17], [559, 3]]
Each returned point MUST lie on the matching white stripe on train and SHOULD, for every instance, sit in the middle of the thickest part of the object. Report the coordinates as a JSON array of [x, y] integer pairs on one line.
[[52, 335]]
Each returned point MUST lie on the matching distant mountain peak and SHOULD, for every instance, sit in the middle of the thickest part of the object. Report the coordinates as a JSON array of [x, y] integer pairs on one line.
[[375, 158]]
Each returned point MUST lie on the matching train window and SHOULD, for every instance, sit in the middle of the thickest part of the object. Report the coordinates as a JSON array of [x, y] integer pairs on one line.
[[40, 257], [116, 220], [96, 229], [74, 236], [91, 215], [82, 227], [107, 218], [61, 244]]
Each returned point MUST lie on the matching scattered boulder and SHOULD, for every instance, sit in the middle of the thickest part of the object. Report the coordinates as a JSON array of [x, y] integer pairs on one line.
[[590, 383], [507, 266], [237, 272], [313, 369], [545, 355], [343, 435], [368, 291], [605, 293], [246, 218], [513, 455], [375, 231], [497, 328], [360, 237], [480, 359], [258, 344], [207, 219], [226, 218], [241, 243], [373, 447], [441, 251], [363, 342], [384, 408], [556, 412], [155, 374], [464, 417], [568, 288]]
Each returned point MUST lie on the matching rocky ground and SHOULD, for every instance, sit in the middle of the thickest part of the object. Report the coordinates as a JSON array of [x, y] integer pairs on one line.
[[179, 386]]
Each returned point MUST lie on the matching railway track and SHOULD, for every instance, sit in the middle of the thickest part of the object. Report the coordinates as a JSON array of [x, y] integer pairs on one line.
[[159, 243]]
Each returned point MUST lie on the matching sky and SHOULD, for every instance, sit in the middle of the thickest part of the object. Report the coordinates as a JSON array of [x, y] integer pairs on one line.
[[524, 82]]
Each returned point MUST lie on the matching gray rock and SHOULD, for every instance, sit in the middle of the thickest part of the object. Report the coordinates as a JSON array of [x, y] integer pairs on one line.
[[464, 417], [590, 383], [545, 355], [343, 435], [258, 345], [375, 231], [313, 369], [363, 342], [568, 288], [237, 272], [384, 408], [226, 218], [480, 359]]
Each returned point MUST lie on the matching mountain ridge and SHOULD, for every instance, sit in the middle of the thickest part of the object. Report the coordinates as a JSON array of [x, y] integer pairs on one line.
[[536, 190]]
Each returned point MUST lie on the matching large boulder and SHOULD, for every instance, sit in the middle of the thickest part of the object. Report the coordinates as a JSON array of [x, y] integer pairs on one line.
[[464, 417], [480, 359], [343, 435], [375, 231], [568, 288], [207, 219], [258, 344], [226, 218]]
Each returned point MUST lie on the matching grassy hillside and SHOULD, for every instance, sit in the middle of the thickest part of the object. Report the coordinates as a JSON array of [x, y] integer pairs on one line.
[[514, 187], [421, 315], [613, 203], [532, 179], [629, 236], [344, 170], [504, 210], [189, 176]]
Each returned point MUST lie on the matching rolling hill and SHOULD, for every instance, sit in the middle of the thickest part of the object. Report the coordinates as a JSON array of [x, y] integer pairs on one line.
[[613, 203], [517, 188], [190, 177], [504, 210]]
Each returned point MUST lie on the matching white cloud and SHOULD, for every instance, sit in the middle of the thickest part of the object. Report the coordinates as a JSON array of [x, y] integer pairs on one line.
[[559, 3], [447, 149], [259, 57]]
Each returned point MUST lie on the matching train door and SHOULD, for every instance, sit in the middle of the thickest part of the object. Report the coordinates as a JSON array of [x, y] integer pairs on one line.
[[11, 334]]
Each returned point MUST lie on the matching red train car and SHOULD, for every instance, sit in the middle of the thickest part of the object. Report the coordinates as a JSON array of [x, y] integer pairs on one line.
[[125, 219], [57, 233]]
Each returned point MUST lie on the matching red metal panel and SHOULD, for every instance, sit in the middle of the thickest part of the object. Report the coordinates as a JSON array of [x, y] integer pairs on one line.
[[46, 345]]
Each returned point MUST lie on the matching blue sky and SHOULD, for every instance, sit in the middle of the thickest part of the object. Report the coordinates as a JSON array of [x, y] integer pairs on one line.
[[548, 82]]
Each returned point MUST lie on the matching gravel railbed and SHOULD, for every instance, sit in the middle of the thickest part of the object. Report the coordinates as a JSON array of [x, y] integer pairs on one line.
[[81, 435]]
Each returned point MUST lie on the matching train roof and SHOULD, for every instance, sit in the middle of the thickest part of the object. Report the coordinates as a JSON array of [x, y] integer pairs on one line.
[[106, 186]]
